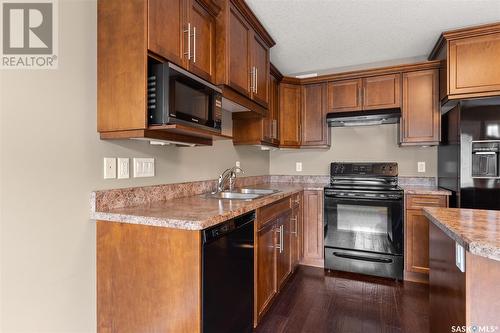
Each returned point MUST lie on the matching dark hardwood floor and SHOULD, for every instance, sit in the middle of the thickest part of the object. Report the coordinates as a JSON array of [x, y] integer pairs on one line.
[[317, 301]]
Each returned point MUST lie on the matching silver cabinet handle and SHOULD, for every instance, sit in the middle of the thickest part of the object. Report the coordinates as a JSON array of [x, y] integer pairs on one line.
[[251, 80], [194, 44], [279, 245], [294, 219], [275, 129], [256, 80], [188, 31], [281, 241]]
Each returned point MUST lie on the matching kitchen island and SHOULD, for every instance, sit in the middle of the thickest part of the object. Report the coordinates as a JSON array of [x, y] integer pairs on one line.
[[464, 255]]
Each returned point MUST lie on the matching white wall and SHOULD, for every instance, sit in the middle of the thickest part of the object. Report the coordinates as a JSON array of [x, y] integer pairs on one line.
[[357, 144], [51, 159]]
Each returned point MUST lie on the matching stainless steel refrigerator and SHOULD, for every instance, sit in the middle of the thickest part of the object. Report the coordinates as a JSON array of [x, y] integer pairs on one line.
[[468, 157]]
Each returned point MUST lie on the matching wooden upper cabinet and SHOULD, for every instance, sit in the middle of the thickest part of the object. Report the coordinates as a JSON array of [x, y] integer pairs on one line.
[[260, 70], [290, 115], [166, 25], [183, 32], [271, 121], [344, 95], [382, 92], [474, 65], [202, 40], [239, 74], [250, 129], [243, 56], [421, 117], [314, 127], [470, 62], [370, 93]]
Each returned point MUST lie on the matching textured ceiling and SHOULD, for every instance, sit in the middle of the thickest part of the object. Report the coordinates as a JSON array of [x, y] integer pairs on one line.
[[327, 36]]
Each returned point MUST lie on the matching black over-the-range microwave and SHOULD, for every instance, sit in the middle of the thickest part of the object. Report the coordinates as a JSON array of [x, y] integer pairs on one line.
[[176, 96]]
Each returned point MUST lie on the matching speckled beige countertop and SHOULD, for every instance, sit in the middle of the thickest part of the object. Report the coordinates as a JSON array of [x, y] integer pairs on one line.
[[477, 230], [424, 190], [197, 212]]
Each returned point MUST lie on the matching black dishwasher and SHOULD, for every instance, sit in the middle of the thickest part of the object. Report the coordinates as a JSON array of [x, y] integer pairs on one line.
[[227, 276]]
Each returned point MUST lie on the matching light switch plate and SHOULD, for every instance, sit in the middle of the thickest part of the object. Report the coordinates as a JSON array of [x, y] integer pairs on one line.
[[109, 168], [298, 166], [123, 168], [421, 166], [144, 167]]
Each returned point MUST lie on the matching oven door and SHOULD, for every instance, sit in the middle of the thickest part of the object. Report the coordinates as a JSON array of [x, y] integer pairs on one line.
[[364, 224], [364, 235]]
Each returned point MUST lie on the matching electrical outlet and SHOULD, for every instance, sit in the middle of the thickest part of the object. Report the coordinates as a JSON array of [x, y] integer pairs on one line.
[[144, 167], [298, 166], [109, 168], [421, 166], [123, 168], [238, 164]]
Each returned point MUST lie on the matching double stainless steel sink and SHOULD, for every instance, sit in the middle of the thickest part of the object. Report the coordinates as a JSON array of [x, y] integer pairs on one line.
[[242, 194]]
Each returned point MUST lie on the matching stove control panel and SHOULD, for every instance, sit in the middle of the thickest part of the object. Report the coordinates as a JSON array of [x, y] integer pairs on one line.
[[364, 169]]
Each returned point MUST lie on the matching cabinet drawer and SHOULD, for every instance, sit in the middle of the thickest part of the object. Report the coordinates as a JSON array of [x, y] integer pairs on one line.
[[420, 201], [269, 212]]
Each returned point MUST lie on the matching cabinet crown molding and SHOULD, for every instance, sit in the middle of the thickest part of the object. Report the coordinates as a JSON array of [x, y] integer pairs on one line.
[[484, 29], [365, 73]]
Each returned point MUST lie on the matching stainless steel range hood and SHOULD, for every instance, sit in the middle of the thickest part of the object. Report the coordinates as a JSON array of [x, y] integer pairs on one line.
[[363, 118]]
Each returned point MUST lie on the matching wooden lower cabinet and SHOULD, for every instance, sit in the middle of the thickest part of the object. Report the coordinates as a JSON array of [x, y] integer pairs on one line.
[[313, 253], [278, 243], [416, 235], [148, 278], [459, 298], [266, 266]]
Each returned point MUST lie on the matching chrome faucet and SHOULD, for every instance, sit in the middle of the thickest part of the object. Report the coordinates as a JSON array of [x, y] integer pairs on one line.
[[227, 175]]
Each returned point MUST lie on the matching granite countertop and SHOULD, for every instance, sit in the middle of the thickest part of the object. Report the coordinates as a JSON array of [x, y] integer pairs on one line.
[[424, 190], [477, 230], [197, 212]]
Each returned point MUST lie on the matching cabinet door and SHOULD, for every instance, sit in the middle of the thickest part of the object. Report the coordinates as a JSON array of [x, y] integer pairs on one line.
[[266, 267], [314, 127], [202, 61], [270, 123], [417, 241], [260, 66], [313, 228], [382, 92], [289, 115], [421, 118], [474, 65], [344, 95], [166, 35], [239, 55], [284, 263]]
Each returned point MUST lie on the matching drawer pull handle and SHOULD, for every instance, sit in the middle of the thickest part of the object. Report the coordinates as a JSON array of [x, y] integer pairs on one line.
[[357, 257]]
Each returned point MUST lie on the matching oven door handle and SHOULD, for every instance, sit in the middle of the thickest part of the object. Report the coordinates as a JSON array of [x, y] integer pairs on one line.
[[354, 198], [363, 258]]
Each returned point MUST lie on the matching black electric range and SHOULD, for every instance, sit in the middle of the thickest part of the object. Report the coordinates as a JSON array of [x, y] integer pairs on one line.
[[364, 219]]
